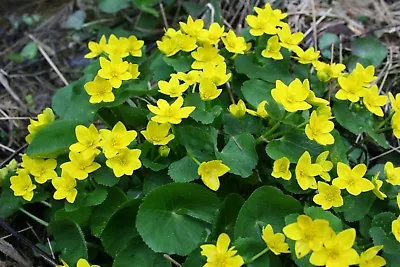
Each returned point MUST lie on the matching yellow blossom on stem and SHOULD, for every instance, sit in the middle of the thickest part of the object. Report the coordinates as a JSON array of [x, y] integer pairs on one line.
[[281, 169], [308, 234], [289, 40], [395, 101], [84, 263], [41, 169], [370, 258], [189, 78], [269, 19], [292, 97], [125, 162], [257, 25], [116, 139], [22, 185], [117, 47], [395, 228], [157, 134], [275, 241], [325, 71], [316, 101], [168, 46], [100, 90], [213, 34], [80, 165], [328, 196], [307, 57], [337, 250], [260, 112], [352, 179], [374, 101], [325, 164], [324, 110], [172, 88], [233, 43], [396, 124], [364, 75], [238, 110], [273, 49], [88, 140], [173, 113], [220, 255], [135, 46], [206, 55], [114, 70], [133, 69], [96, 48], [350, 89], [319, 128], [186, 42], [306, 172], [377, 187], [65, 187], [208, 90], [216, 73], [392, 173], [210, 172], [192, 27], [43, 119]]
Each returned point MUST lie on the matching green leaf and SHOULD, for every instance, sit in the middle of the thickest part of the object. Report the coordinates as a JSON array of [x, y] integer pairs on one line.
[[356, 207], [325, 43], [103, 212], [120, 228], [179, 63], [240, 154], [104, 176], [384, 220], [70, 240], [76, 20], [267, 205], [132, 117], [380, 237], [292, 145], [30, 50], [354, 121], [202, 113], [176, 218], [136, 253], [80, 216], [160, 69], [195, 259], [113, 6], [369, 48], [319, 213], [197, 138], [249, 247], [88, 199], [183, 170], [338, 151], [227, 215], [153, 180], [255, 91], [53, 139], [9, 203]]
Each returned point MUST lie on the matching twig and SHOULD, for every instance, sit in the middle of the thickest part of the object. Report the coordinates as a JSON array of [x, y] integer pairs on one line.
[[388, 67], [7, 148], [314, 27], [14, 118], [168, 257], [163, 15], [33, 217], [211, 7], [6, 85], [13, 155], [20, 231]]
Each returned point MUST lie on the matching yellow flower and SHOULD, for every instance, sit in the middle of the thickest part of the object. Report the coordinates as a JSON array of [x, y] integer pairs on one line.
[[168, 46], [22, 185], [261, 111], [395, 102], [213, 34], [135, 46], [210, 172], [100, 90], [364, 75], [42, 169], [317, 101], [163, 151], [172, 88], [125, 162], [96, 48], [289, 40], [352, 179], [326, 165], [328, 196], [273, 49], [208, 90], [267, 21], [185, 42], [220, 255], [157, 134], [308, 234], [398, 200], [325, 71], [115, 71], [216, 73], [133, 69], [324, 110], [189, 78], [116, 139], [392, 174], [192, 27], [337, 250], [281, 169], [374, 101], [370, 258], [306, 172], [80, 165], [84, 263], [117, 47], [396, 124], [395, 228], [88, 140], [206, 55], [233, 43], [65, 187], [377, 187], [275, 242], [173, 113], [43, 119], [292, 97], [307, 57], [319, 128], [238, 110], [257, 25]]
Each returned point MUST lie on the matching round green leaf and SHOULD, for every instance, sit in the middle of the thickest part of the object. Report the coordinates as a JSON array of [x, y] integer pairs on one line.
[[176, 218], [369, 48], [183, 170]]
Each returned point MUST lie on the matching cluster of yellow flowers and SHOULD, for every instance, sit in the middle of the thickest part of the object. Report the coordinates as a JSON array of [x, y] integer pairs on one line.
[[328, 248], [46, 117], [114, 70]]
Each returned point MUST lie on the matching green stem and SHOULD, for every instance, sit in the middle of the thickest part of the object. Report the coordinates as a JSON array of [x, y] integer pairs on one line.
[[385, 120], [384, 129], [257, 256], [267, 133], [194, 159], [33, 217]]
